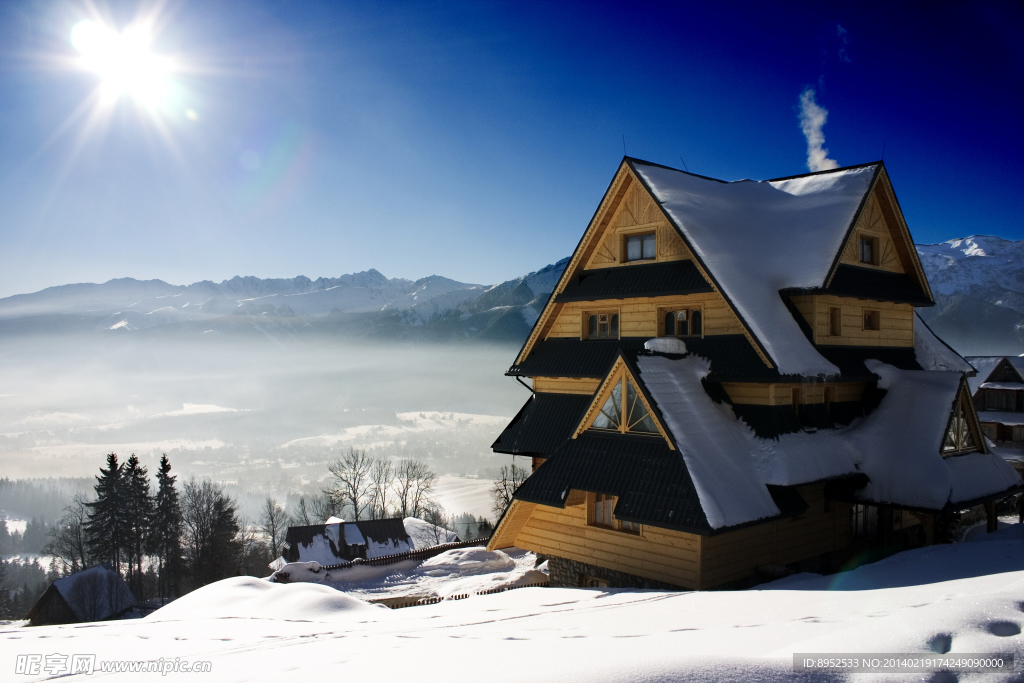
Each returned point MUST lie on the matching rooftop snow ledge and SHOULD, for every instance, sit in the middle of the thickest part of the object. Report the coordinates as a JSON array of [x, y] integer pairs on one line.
[[666, 345]]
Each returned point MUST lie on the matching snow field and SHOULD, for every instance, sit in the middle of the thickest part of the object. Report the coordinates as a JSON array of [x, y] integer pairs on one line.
[[256, 631]]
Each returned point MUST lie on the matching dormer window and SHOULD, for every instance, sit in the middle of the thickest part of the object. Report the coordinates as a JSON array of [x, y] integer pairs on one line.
[[603, 325], [686, 322], [869, 251], [641, 247]]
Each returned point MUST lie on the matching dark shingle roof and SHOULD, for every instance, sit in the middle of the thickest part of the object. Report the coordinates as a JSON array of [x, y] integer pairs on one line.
[[653, 279], [877, 285], [571, 357], [543, 424]]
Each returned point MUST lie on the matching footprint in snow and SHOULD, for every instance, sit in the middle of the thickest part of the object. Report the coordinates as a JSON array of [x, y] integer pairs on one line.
[[1003, 629], [941, 643]]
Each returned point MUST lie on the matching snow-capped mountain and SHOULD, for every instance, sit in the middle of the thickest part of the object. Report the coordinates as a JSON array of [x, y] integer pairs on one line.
[[355, 305], [978, 283]]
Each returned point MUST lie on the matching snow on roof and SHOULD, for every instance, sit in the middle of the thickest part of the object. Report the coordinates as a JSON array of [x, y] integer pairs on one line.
[[1013, 386], [1003, 417], [96, 593], [984, 365], [897, 446], [933, 354], [759, 237]]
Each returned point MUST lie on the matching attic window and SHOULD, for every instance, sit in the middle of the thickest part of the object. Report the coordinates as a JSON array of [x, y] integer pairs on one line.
[[869, 251], [625, 413], [872, 320], [960, 436], [687, 322], [641, 247], [602, 325]]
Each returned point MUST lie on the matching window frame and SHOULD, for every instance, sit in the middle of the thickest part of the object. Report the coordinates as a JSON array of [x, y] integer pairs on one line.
[[959, 426], [874, 317], [835, 321], [615, 524], [611, 313], [642, 237], [872, 242], [690, 310]]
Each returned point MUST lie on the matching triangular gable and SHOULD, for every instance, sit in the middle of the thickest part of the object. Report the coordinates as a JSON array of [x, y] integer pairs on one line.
[[630, 201], [622, 404], [880, 217], [1002, 370], [963, 430]]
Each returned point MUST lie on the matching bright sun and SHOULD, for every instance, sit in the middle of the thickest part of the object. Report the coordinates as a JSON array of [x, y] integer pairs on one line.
[[123, 62]]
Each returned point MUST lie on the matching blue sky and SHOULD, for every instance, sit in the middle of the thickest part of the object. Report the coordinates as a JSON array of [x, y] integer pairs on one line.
[[474, 140]]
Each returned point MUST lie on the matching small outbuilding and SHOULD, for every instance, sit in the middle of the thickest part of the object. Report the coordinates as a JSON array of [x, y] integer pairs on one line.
[[94, 594]]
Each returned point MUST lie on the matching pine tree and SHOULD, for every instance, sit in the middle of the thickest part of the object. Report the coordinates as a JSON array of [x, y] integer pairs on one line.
[[6, 608], [105, 528], [138, 507], [165, 530]]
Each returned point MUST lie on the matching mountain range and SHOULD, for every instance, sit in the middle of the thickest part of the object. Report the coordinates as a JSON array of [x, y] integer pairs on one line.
[[977, 281]]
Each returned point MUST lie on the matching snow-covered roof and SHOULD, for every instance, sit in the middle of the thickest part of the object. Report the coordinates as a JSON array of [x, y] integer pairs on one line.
[[984, 366], [1003, 417], [760, 237], [1012, 386], [934, 354], [897, 446], [96, 593]]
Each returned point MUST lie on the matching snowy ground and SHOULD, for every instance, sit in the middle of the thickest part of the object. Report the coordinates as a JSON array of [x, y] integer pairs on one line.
[[968, 597]]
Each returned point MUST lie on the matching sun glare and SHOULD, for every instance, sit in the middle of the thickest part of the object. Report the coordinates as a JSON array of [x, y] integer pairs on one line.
[[123, 62]]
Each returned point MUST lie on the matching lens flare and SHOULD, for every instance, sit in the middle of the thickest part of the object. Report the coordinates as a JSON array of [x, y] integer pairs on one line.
[[123, 62]]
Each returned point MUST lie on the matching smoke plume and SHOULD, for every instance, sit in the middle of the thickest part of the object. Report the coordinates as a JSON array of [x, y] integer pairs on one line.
[[812, 120]]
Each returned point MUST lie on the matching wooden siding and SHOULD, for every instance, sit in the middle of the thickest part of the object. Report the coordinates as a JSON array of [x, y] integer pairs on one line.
[[636, 214], [873, 223], [658, 554], [782, 394], [735, 555], [565, 385], [639, 317], [896, 321], [511, 524]]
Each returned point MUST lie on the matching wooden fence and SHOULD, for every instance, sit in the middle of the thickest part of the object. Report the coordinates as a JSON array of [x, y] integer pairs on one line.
[[399, 603]]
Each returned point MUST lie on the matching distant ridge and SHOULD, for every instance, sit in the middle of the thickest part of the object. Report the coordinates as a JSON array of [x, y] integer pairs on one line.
[[978, 283]]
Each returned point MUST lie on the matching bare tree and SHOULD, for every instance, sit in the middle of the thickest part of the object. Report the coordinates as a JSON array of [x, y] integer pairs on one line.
[[414, 487], [274, 523], [505, 486], [210, 526], [381, 474], [68, 540], [439, 519], [322, 508], [302, 516], [352, 481]]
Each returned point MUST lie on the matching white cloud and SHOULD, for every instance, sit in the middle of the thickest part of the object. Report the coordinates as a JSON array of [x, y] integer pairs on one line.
[[812, 120], [198, 409]]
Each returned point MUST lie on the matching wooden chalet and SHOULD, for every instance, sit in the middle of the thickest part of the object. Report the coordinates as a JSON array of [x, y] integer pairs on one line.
[[730, 379], [998, 394], [95, 594]]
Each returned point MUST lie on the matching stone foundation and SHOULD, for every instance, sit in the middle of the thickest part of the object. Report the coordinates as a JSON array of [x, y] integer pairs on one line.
[[563, 573]]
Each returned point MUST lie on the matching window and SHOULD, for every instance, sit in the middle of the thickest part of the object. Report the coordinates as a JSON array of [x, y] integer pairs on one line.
[[1018, 433], [989, 430], [868, 250], [641, 247], [830, 398], [687, 322], [601, 507], [960, 437], [603, 325], [795, 395], [872, 320], [624, 413], [835, 322], [863, 521], [996, 399], [588, 581]]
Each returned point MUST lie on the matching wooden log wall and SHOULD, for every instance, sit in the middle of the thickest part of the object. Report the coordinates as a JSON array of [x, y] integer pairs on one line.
[[782, 394], [639, 317], [897, 321], [565, 385]]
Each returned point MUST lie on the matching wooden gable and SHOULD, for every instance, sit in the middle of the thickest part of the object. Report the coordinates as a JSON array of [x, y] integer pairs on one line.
[[1004, 371], [628, 208], [636, 404], [881, 221], [963, 429]]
